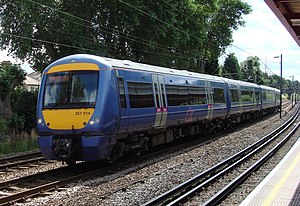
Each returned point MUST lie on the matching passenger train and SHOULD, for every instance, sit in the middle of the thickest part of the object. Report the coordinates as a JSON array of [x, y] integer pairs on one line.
[[92, 108]]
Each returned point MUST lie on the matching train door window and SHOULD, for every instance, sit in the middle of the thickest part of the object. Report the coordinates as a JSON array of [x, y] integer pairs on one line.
[[156, 94], [234, 95], [218, 95], [257, 96], [163, 95], [122, 93], [140, 95]]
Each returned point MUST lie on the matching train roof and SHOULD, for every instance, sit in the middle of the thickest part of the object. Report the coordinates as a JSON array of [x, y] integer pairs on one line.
[[238, 82], [127, 64], [157, 69], [269, 88]]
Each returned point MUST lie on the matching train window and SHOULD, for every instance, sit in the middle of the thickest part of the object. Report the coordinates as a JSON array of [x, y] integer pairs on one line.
[[234, 95], [264, 95], [257, 96], [56, 90], [180, 95], [177, 95], [140, 95], [163, 95], [122, 93], [197, 95], [218, 95], [83, 87], [248, 96], [156, 95], [71, 89], [268, 95]]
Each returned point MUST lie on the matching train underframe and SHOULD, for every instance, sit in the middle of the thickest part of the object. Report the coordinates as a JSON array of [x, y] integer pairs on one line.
[[73, 148], [143, 141]]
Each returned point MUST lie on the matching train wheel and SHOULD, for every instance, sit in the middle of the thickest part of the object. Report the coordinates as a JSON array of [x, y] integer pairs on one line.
[[118, 152], [71, 163]]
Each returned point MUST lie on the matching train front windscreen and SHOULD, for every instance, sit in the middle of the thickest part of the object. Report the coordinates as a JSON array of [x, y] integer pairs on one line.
[[71, 89]]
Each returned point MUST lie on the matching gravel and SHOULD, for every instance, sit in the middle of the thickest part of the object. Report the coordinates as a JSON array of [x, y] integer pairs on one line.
[[17, 173], [137, 185]]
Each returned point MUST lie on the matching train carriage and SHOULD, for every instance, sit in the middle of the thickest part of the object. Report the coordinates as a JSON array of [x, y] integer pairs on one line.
[[270, 98], [92, 108]]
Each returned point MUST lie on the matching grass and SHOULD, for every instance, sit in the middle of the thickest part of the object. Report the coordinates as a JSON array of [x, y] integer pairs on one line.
[[17, 142]]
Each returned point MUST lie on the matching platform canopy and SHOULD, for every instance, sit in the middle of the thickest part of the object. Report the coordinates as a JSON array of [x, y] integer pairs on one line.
[[288, 12]]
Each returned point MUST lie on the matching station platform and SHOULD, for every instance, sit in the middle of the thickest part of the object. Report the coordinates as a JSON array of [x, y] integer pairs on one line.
[[282, 185]]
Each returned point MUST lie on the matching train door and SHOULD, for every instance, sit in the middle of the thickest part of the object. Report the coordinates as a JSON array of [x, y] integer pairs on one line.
[[209, 97], [240, 98], [124, 117], [160, 100]]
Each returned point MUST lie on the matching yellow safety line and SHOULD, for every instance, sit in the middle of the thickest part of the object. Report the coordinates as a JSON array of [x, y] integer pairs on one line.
[[281, 182]]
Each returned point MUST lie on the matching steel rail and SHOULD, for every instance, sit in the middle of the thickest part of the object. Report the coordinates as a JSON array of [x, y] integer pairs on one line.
[[4, 160], [31, 177], [190, 187], [44, 188], [223, 193], [19, 163]]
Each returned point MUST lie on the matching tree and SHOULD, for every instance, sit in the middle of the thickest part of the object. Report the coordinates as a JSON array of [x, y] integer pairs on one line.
[[227, 16], [231, 67], [251, 70], [23, 104], [166, 33], [11, 76]]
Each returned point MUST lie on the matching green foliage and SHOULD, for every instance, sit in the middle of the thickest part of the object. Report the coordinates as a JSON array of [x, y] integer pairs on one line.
[[10, 77], [16, 143], [250, 69], [17, 122], [167, 33], [231, 68], [24, 105], [247, 98], [285, 96]]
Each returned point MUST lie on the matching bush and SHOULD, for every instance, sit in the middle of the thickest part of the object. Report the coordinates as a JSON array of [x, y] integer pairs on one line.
[[17, 122], [24, 105], [17, 142]]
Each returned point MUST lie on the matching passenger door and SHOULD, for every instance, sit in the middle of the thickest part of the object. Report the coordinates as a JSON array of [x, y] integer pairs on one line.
[[209, 97], [160, 100], [124, 109]]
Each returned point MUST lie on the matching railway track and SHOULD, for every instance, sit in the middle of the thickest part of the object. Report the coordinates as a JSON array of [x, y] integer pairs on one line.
[[199, 184], [44, 183], [12, 163], [37, 184]]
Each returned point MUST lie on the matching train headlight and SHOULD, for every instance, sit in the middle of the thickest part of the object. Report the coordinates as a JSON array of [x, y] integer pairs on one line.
[[40, 121], [96, 120]]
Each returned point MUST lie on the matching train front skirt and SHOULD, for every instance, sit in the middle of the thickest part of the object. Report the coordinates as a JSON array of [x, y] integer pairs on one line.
[[76, 148]]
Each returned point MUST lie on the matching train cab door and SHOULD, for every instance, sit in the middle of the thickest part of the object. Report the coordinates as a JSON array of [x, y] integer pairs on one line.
[[209, 97], [124, 116], [161, 110]]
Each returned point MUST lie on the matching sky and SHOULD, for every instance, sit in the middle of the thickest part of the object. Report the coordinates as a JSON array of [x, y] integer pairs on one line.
[[263, 36]]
